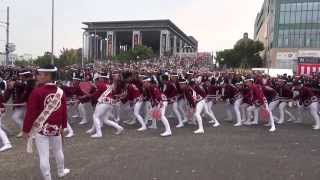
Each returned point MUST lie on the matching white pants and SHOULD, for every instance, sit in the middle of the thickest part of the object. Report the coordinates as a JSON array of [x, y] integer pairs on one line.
[[102, 113], [182, 108], [208, 111], [313, 107], [175, 108], [116, 111], [69, 128], [199, 108], [271, 107], [18, 116], [3, 135], [256, 109], [43, 144], [147, 108], [83, 110], [164, 120], [136, 112], [229, 109], [243, 109], [75, 107], [236, 108], [300, 112], [283, 111]]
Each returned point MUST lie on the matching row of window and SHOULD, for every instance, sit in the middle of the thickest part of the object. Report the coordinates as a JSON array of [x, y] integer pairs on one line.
[[298, 17], [305, 6], [299, 38]]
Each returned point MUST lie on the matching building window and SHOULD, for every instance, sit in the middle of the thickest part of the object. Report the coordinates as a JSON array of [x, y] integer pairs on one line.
[[304, 21]]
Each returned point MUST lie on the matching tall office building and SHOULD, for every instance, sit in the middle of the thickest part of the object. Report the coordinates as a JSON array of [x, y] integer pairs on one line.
[[290, 31]]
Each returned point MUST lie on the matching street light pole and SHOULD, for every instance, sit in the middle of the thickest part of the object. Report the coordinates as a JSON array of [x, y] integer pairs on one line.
[[7, 43], [52, 34]]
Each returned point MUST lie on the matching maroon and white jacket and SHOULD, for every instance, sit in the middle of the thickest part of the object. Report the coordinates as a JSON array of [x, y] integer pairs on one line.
[[171, 91], [192, 96], [258, 97], [36, 103], [155, 96], [133, 93]]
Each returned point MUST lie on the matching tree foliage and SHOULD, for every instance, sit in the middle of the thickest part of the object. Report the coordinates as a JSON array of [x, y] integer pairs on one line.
[[245, 54], [44, 60], [138, 53], [67, 57]]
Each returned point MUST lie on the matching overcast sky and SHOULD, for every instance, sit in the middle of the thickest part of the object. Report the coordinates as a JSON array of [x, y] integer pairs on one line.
[[216, 24]]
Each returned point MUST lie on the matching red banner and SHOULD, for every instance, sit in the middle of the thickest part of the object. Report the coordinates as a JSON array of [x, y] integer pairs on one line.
[[308, 68], [110, 45], [136, 40]]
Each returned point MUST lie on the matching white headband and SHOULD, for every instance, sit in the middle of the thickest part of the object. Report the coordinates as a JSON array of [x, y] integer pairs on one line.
[[48, 70], [147, 80], [24, 73]]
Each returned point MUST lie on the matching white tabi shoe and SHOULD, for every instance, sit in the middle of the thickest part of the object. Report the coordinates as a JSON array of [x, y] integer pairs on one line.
[[142, 129], [237, 124], [64, 173], [69, 135], [95, 136], [90, 131], [166, 134], [19, 135], [83, 122], [117, 120], [267, 125], [217, 124], [132, 122], [5, 147], [254, 123], [199, 131], [119, 131], [185, 120], [212, 122], [316, 127], [180, 125], [153, 127], [192, 123], [272, 129]]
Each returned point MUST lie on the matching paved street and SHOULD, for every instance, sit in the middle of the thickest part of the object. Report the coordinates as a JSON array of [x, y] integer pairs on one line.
[[228, 153]]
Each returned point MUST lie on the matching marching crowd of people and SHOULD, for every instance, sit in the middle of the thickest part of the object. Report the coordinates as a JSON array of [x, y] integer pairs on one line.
[[40, 101]]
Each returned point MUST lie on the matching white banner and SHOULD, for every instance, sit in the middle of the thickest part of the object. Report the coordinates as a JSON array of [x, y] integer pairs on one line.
[[287, 56], [309, 53]]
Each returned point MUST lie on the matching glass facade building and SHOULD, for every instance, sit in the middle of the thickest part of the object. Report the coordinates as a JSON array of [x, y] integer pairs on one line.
[[289, 29], [299, 24]]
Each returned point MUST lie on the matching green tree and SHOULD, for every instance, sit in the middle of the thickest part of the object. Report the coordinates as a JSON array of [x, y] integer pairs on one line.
[[228, 58], [44, 60], [68, 57], [249, 53], [22, 63], [245, 54], [140, 52]]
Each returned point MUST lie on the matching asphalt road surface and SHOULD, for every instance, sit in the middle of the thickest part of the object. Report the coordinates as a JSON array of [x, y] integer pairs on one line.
[[224, 153]]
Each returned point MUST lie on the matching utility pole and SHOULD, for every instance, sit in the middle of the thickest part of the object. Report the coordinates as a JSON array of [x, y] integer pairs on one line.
[[52, 34], [7, 43]]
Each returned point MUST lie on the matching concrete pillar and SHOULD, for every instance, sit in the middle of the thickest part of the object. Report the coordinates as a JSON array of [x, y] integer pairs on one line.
[[174, 45], [136, 38], [181, 46], [164, 42], [110, 44], [115, 43]]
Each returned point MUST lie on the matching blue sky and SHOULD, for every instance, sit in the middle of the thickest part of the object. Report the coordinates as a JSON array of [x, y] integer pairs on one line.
[[216, 24]]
